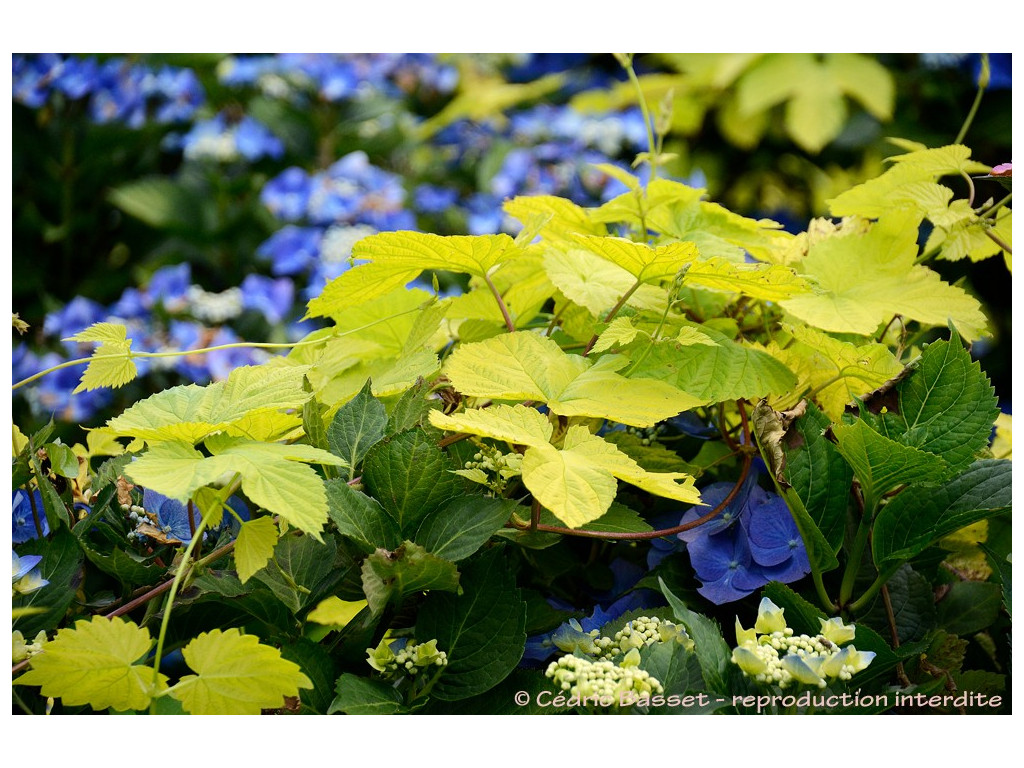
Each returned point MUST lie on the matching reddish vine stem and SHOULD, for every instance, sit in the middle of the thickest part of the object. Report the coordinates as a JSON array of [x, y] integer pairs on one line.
[[648, 535], [501, 304], [156, 591]]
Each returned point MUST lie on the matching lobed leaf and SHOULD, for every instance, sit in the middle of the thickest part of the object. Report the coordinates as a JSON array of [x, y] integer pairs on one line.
[[235, 675], [95, 664]]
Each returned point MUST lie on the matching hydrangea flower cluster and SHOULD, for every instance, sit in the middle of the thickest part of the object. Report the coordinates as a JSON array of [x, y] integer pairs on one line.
[[24, 577], [339, 76], [771, 653], [24, 517], [405, 657], [642, 632], [753, 541], [170, 313], [117, 90], [604, 680], [327, 213], [220, 139], [167, 520]]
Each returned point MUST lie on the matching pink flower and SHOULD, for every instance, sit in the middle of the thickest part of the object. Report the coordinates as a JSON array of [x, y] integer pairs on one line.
[[1006, 169]]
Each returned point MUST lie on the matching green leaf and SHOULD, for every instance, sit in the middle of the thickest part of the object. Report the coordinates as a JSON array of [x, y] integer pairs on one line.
[[818, 474], [410, 476], [1001, 565], [882, 464], [411, 409], [361, 517], [161, 203], [726, 371], [235, 675], [390, 576], [254, 546], [947, 407], [482, 630], [712, 652], [913, 605], [335, 612], [316, 662], [300, 570], [912, 521], [61, 566], [190, 413], [272, 475], [397, 258], [525, 366], [643, 262], [362, 696], [54, 507], [356, 427], [563, 219], [837, 372], [598, 284], [123, 566], [576, 482], [463, 525], [866, 278], [94, 664], [63, 461], [677, 671], [969, 607]]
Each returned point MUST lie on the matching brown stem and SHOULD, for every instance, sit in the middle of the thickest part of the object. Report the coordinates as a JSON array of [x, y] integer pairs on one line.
[[612, 313], [501, 304], [646, 535], [900, 672]]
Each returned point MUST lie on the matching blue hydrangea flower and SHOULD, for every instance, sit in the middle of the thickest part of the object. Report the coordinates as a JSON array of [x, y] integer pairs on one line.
[[292, 250], [224, 140], [751, 542], [287, 194], [24, 578], [24, 526], [272, 298], [172, 514]]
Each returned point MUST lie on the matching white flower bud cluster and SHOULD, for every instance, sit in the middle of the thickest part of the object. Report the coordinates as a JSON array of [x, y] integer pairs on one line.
[[214, 307], [602, 680], [408, 660], [640, 632], [647, 435], [492, 468], [338, 241]]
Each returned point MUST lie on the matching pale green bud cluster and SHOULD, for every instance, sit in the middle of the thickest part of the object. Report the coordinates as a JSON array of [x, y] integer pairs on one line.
[[772, 654], [23, 650], [603, 680], [647, 435], [410, 660], [640, 632], [492, 468]]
